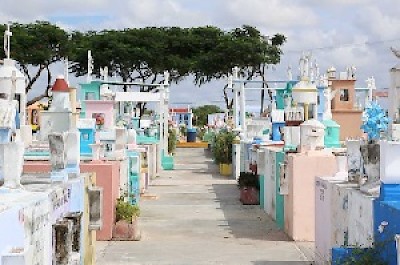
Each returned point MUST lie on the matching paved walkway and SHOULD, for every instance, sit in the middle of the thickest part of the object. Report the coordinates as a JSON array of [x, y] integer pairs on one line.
[[196, 218]]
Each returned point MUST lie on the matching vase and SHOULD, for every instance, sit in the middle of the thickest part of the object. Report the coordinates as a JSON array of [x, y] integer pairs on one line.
[[249, 196], [225, 169], [125, 231]]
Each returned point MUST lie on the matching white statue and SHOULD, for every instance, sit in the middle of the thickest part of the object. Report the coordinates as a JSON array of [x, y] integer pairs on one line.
[[323, 80], [289, 73], [66, 74], [316, 69], [90, 66], [7, 41], [302, 66], [104, 73], [166, 78], [353, 72], [235, 72], [105, 91], [328, 96], [348, 72], [371, 87]]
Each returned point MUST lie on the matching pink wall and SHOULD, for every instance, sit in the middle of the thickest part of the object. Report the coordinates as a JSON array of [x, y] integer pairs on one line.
[[300, 202], [107, 177], [350, 122], [101, 106]]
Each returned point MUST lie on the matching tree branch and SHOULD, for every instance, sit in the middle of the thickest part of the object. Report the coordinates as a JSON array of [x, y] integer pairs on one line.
[[37, 98], [34, 79]]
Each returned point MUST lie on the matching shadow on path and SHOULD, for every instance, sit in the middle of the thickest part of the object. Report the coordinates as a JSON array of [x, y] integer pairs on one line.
[[243, 221]]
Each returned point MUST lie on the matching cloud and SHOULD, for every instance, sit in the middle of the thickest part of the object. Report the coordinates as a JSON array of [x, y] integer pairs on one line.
[[372, 20], [138, 13], [273, 14], [320, 25]]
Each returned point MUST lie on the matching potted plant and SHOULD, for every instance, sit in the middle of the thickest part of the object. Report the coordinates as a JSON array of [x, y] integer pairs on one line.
[[249, 187], [126, 221], [223, 151]]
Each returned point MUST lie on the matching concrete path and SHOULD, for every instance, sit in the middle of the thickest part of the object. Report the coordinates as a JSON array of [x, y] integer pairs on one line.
[[195, 217]]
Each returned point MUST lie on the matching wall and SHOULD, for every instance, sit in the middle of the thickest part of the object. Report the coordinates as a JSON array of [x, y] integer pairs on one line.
[[299, 204], [107, 177], [350, 123]]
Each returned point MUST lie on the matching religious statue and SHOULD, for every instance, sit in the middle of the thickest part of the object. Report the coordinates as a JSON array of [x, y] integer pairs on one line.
[[90, 66], [104, 73], [289, 73], [105, 91], [166, 77], [371, 86], [328, 96], [7, 42]]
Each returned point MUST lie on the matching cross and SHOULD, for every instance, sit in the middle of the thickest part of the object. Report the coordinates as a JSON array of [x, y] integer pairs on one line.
[[7, 41]]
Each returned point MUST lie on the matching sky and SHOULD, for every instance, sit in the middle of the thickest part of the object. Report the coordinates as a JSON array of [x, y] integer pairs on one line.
[[339, 33]]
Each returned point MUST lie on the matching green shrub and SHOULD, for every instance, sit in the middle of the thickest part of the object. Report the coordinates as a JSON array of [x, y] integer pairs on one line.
[[248, 179], [171, 141], [222, 147], [126, 211]]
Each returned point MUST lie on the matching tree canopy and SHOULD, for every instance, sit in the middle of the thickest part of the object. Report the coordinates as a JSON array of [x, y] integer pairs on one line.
[[143, 54], [36, 46], [201, 113]]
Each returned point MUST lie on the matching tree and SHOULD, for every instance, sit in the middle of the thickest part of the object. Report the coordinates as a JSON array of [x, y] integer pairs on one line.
[[37, 46], [144, 54], [243, 47], [201, 113], [133, 54]]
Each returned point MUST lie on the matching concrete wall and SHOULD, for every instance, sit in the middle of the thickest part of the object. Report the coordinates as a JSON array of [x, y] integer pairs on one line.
[[107, 177], [25, 225], [361, 219], [299, 204], [331, 205], [350, 123]]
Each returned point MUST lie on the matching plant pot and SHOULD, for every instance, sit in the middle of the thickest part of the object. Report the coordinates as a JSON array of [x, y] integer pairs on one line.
[[125, 231], [249, 196], [225, 169]]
